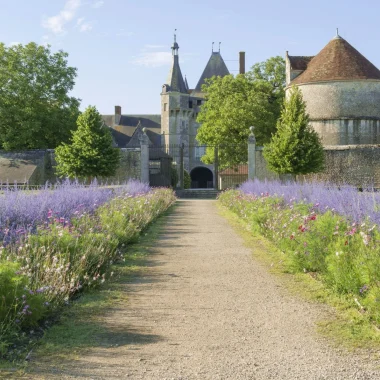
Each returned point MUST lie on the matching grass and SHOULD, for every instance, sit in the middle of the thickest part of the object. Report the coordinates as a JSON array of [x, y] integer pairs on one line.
[[344, 325], [80, 326]]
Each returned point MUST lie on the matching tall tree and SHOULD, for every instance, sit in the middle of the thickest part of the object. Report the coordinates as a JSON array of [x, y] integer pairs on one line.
[[35, 108], [296, 147], [233, 104], [90, 153]]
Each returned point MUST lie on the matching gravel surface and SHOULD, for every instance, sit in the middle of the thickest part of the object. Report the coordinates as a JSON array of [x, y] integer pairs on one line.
[[206, 310]]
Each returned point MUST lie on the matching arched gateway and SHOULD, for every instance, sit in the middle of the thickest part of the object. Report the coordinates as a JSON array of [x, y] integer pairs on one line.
[[201, 178]]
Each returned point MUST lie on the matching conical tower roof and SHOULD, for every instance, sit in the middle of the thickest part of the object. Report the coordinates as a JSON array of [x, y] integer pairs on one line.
[[215, 67], [338, 60], [175, 78]]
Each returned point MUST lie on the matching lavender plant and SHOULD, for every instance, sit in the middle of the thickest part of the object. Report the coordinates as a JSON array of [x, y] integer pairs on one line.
[[330, 232], [65, 242], [344, 200], [21, 211]]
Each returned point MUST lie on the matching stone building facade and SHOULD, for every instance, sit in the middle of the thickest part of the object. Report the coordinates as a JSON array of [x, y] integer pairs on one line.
[[180, 106], [176, 125], [341, 89]]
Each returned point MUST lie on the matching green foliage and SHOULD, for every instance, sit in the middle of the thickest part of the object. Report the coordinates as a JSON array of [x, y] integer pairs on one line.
[[174, 177], [90, 153], [295, 148], [17, 305], [272, 71], [344, 256], [186, 179], [60, 260], [35, 108], [233, 104]]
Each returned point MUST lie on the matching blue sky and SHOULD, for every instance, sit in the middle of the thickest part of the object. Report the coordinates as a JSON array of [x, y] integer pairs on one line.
[[122, 47]]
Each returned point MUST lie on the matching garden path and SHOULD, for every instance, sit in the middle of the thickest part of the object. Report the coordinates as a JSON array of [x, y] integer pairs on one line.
[[205, 309]]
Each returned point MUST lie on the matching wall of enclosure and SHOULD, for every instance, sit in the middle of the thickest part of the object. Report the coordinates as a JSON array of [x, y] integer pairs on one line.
[[38, 166], [345, 164]]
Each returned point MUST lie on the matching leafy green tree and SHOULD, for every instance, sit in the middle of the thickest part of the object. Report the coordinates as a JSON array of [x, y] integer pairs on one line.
[[186, 179], [90, 153], [233, 104], [296, 147], [272, 71], [174, 177], [35, 108]]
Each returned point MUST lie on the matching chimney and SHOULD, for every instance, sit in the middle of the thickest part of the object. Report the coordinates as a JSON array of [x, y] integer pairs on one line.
[[117, 115], [242, 62]]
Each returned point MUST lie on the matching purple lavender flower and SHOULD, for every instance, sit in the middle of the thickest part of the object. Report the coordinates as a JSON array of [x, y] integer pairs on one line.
[[344, 200]]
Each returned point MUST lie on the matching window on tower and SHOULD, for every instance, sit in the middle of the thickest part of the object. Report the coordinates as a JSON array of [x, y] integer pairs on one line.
[[165, 106]]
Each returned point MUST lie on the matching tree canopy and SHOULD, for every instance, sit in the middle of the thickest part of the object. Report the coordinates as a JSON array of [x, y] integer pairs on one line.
[[90, 153], [233, 104], [296, 147], [35, 108]]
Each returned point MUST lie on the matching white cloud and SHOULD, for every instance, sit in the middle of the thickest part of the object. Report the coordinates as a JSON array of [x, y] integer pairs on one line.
[[85, 27], [14, 44], [57, 23], [153, 59], [98, 4]]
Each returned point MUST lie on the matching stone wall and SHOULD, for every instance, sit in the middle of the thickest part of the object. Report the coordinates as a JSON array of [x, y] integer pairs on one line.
[[262, 172], [38, 167], [350, 164], [342, 99], [348, 131], [23, 167]]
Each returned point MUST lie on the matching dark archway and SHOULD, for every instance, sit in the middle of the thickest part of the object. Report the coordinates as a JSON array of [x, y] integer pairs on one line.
[[201, 178]]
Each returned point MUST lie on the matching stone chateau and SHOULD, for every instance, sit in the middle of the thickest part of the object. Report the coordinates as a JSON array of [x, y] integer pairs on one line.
[[342, 93], [340, 86], [176, 125]]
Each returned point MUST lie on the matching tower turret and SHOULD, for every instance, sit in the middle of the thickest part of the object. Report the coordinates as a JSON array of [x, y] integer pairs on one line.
[[175, 78], [175, 112]]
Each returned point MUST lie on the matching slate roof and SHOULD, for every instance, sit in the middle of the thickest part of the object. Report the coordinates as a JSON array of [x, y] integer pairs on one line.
[[175, 78], [338, 60], [215, 67], [123, 132], [299, 62], [134, 142]]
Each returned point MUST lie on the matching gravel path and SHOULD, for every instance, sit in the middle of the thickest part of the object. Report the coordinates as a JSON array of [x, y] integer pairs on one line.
[[206, 310]]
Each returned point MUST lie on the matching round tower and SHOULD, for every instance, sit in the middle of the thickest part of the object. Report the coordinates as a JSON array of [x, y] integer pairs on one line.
[[341, 89]]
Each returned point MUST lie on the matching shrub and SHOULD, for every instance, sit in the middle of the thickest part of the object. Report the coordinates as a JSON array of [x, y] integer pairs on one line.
[[186, 179], [174, 178]]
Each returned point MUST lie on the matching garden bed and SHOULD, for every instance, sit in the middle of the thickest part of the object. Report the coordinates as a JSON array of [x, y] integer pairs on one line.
[[328, 232], [59, 242]]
